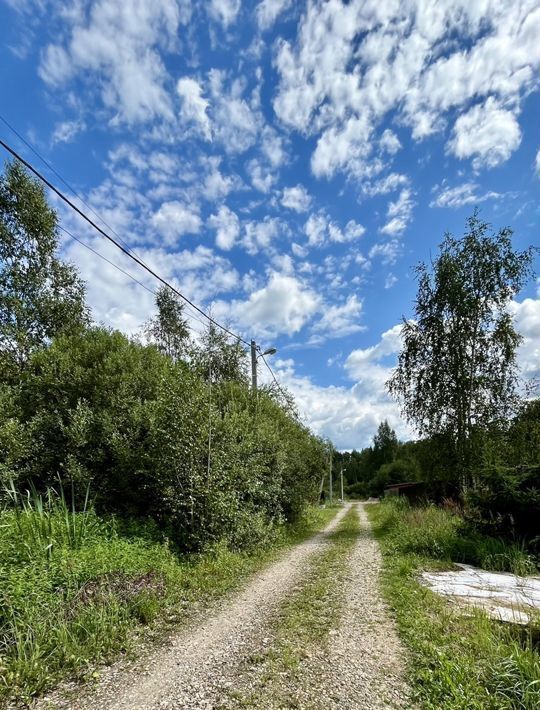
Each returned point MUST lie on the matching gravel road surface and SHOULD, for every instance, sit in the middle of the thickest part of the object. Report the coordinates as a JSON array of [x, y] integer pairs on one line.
[[361, 666]]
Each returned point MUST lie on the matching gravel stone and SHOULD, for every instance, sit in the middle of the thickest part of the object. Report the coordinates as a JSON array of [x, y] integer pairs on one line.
[[196, 668]]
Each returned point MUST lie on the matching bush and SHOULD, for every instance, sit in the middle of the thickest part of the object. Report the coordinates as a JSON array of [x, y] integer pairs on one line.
[[153, 439], [440, 533]]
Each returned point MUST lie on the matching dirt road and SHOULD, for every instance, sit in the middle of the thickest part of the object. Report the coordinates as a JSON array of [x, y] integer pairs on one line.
[[201, 665]]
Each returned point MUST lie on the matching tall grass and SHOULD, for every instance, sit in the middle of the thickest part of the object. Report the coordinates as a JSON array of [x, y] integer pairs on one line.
[[457, 661], [73, 586], [442, 534]]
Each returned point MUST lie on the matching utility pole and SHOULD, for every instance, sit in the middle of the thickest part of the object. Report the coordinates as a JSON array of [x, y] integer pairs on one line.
[[330, 476], [342, 483], [254, 367]]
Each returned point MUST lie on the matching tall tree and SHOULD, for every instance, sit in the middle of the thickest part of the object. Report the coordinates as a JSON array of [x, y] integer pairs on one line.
[[385, 445], [457, 370], [40, 295], [169, 329]]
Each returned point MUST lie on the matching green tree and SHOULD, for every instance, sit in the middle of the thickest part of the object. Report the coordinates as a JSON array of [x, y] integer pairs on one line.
[[168, 329], [40, 296], [457, 372], [385, 445]]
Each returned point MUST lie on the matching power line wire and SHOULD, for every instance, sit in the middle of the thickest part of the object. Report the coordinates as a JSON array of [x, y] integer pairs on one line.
[[132, 256], [84, 202], [122, 271], [274, 377], [66, 183]]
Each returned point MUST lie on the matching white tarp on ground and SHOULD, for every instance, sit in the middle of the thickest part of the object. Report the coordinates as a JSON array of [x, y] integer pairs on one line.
[[505, 597]]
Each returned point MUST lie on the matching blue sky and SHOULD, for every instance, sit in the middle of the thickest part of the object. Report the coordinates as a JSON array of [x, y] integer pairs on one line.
[[285, 164]]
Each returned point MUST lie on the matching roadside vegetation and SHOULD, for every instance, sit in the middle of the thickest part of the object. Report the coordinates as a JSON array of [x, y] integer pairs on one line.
[[76, 589], [138, 475], [302, 625], [458, 660]]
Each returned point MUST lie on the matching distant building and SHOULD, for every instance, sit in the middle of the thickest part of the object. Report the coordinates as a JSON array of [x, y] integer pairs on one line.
[[412, 491]]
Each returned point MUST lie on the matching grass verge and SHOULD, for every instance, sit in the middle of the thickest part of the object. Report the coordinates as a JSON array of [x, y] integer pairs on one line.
[[457, 661], [273, 678], [75, 591]]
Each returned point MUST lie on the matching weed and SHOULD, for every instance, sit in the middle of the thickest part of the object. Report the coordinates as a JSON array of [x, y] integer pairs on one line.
[[458, 662], [73, 586]]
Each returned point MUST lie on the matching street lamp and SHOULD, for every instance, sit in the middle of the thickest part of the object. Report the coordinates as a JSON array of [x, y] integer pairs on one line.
[[255, 355]]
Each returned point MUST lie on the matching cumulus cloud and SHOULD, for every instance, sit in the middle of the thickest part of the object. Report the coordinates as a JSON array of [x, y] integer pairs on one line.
[[399, 214], [465, 194], [352, 66], [296, 198], [320, 229], [389, 142], [388, 252], [527, 321], [284, 305], [194, 105], [259, 235], [487, 133], [224, 11], [347, 415], [173, 219], [236, 123], [227, 226], [130, 73], [65, 131], [269, 10], [338, 320]]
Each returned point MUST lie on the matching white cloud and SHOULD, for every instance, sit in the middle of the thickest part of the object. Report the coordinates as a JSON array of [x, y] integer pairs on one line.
[[387, 251], [269, 10], [365, 363], [65, 131], [338, 320], [284, 305], [344, 148], [227, 226], [259, 235], [173, 219], [194, 106], [272, 146], [235, 123], [261, 178], [224, 11], [399, 214], [319, 228], [354, 63], [391, 280], [352, 231], [389, 142], [296, 198], [537, 163], [527, 321], [116, 47], [316, 228], [465, 194], [488, 133], [383, 186]]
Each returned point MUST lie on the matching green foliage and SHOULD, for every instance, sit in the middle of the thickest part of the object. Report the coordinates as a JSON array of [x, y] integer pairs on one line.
[[456, 372], [152, 438], [74, 585], [168, 329], [40, 296], [458, 661], [443, 534]]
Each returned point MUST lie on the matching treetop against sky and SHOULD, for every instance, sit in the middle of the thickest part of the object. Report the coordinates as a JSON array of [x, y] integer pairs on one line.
[[286, 164]]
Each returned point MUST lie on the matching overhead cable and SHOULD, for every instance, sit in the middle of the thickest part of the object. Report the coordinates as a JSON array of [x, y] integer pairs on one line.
[[126, 251]]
